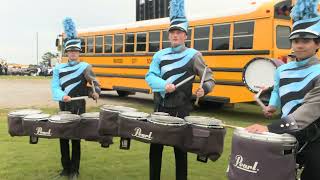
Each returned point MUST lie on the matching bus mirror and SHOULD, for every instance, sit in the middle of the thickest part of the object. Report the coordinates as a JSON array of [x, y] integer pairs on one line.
[[57, 42]]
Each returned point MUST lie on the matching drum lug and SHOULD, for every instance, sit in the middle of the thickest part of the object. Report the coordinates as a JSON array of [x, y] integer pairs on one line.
[[125, 143], [33, 140], [203, 159]]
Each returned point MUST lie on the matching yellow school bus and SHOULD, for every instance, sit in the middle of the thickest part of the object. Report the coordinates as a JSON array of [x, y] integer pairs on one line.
[[121, 54]]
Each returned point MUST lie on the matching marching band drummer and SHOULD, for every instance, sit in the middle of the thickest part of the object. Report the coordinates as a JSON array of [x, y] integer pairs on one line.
[[70, 80], [169, 67], [297, 90]]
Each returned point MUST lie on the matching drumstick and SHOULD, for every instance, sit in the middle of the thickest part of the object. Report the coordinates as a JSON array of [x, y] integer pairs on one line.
[[78, 98], [231, 126], [201, 84], [256, 97], [184, 81], [93, 90]]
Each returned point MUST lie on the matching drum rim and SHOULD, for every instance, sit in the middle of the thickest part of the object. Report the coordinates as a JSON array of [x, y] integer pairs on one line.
[[23, 115], [45, 118], [166, 124], [246, 66], [123, 115], [270, 137], [74, 119], [90, 117], [204, 125], [118, 111]]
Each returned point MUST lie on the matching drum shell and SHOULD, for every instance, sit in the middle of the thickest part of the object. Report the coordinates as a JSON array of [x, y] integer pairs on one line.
[[160, 134], [204, 141], [271, 162], [88, 130], [69, 130], [108, 123], [15, 127]]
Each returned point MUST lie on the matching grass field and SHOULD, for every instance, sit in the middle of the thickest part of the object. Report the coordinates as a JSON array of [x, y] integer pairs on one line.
[[20, 160]]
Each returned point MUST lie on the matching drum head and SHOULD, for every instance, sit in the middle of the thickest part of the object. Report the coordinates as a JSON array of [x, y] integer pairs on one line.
[[160, 114], [64, 112], [24, 112], [113, 108], [259, 72], [64, 118], [90, 115], [167, 120], [203, 121], [265, 137], [135, 115], [36, 117]]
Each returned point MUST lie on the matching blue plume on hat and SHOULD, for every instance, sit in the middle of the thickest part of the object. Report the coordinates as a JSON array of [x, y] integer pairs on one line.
[[305, 9], [177, 16], [177, 9], [69, 28]]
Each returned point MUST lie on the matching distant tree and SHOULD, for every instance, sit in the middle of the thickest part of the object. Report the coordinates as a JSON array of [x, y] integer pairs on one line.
[[47, 57]]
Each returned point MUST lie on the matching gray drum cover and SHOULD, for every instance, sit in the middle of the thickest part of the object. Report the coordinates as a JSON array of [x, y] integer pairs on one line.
[[259, 160], [108, 123], [203, 141], [15, 127], [89, 128], [148, 132], [49, 129]]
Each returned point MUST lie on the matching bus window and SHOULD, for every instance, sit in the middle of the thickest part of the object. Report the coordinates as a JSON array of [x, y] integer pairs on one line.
[[83, 45], [108, 44], [165, 41], [201, 38], [282, 9], [221, 37], [118, 43], [129, 43], [141, 41], [98, 43], [282, 38], [154, 41], [243, 35], [188, 41], [90, 45]]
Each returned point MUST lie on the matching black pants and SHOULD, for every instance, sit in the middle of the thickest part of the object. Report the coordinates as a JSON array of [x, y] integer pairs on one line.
[[310, 158], [71, 164], [155, 155]]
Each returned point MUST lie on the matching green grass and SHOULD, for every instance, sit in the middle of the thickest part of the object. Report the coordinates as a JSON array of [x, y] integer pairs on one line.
[[20, 160], [24, 77]]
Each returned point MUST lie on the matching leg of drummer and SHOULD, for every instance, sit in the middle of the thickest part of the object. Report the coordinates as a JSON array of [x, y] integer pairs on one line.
[[65, 157], [312, 162], [75, 160], [181, 164], [155, 160]]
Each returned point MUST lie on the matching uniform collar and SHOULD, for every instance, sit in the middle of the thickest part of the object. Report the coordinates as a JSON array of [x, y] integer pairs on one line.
[[72, 62], [178, 49]]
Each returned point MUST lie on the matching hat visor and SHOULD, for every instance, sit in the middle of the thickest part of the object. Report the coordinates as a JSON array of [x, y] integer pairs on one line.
[[303, 35], [176, 28], [73, 49]]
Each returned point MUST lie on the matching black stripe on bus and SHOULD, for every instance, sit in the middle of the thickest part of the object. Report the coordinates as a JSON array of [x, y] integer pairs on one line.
[[130, 89], [227, 83], [214, 53], [147, 67]]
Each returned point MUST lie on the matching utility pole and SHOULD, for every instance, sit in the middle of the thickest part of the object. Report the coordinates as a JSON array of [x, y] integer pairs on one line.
[[37, 39]]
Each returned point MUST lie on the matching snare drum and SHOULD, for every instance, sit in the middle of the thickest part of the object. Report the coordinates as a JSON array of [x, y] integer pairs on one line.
[[205, 137], [262, 156], [260, 72], [168, 130], [133, 125], [89, 129], [29, 122], [108, 123], [15, 126]]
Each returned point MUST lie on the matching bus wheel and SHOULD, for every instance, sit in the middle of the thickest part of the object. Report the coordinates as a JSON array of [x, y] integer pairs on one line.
[[123, 93]]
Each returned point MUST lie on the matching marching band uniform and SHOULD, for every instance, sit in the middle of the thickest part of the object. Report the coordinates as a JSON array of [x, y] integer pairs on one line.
[[297, 92], [171, 66], [70, 79]]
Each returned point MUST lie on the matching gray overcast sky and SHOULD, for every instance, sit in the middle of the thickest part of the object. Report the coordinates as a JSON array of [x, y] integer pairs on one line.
[[21, 19]]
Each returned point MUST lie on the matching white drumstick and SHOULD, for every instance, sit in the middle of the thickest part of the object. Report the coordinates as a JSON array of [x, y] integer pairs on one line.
[[184, 81], [256, 97], [201, 84], [78, 98], [93, 90]]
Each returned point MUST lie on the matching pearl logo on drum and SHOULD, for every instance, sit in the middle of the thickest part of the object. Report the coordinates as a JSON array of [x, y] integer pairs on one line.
[[42, 133], [138, 133], [245, 167]]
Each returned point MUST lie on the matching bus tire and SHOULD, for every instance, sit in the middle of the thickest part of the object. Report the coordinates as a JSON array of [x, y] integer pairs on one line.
[[123, 93]]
